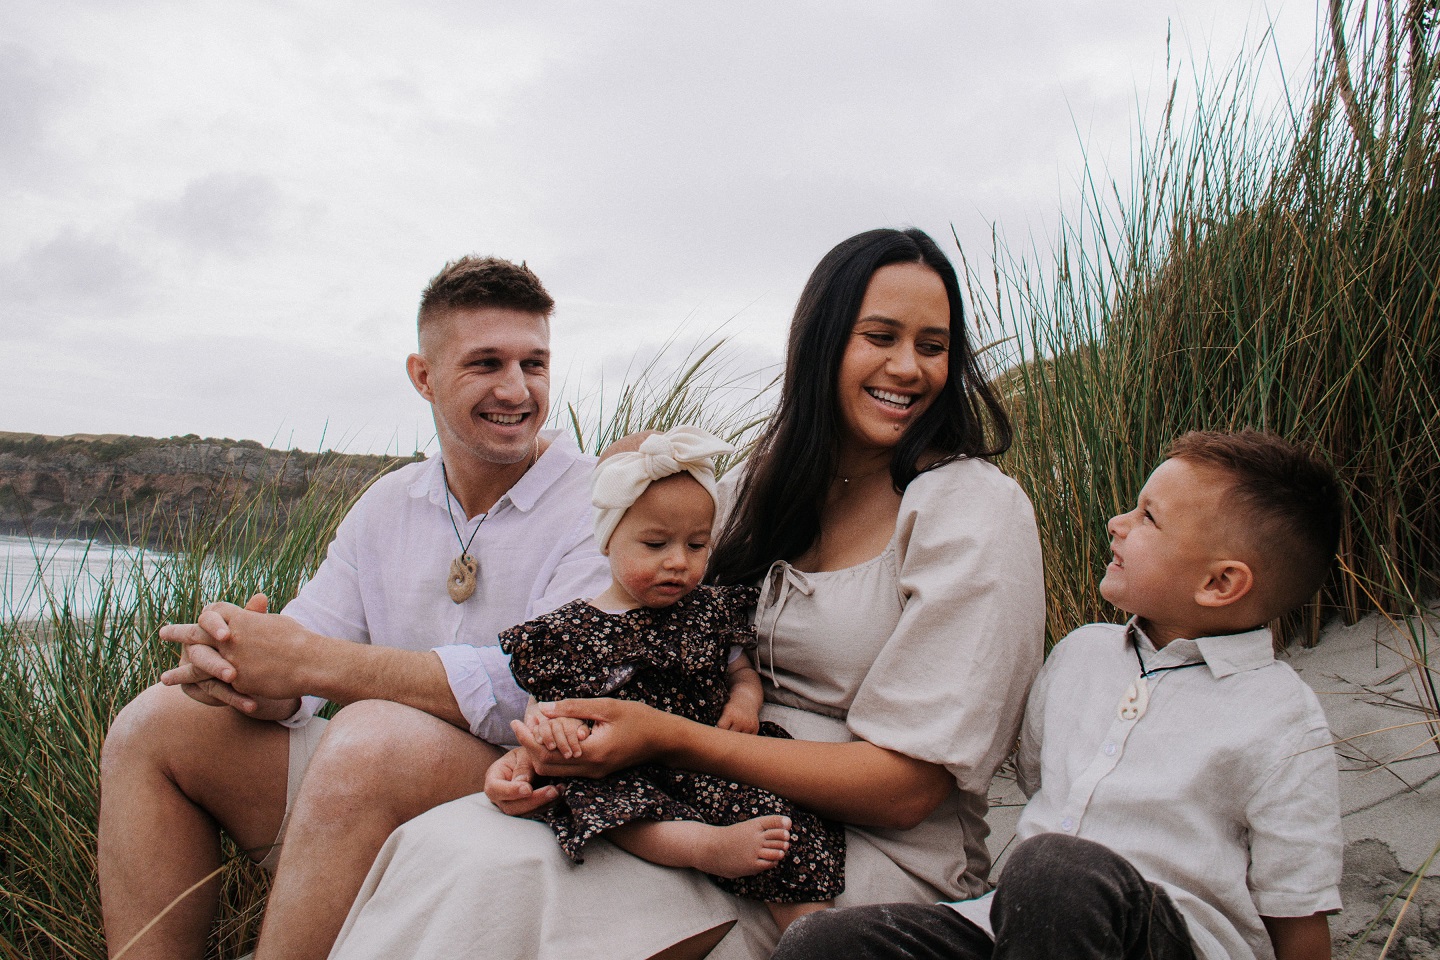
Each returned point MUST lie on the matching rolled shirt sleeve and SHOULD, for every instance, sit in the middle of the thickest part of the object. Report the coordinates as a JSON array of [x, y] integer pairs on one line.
[[484, 689]]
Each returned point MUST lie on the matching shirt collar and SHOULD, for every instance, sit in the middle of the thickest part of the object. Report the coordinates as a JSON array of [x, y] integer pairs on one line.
[[1225, 654], [557, 458]]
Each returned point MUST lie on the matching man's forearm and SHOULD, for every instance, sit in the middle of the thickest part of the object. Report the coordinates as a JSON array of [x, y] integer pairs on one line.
[[274, 657], [347, 672]]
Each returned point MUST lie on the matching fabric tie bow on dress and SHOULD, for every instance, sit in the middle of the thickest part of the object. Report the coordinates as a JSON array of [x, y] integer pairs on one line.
[[621, 479]]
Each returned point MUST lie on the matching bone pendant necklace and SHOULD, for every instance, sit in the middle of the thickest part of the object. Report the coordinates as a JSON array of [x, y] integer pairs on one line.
[[461, 584], [1137, 698], [463, 569], [1137, 695]]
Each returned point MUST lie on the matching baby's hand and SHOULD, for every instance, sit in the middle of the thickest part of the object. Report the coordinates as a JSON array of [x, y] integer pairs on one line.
[[739, 718], [561, 734], [510, 785]]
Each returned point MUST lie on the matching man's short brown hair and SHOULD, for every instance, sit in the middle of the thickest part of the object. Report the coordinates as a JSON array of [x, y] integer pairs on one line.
[[1288, 499], [483, 282]]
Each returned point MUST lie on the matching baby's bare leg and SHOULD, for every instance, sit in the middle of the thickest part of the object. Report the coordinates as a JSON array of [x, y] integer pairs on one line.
[[739, 850], [787, 913]]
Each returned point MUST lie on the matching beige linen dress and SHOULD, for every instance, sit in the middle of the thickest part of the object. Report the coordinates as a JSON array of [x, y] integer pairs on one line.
[[928, 650]]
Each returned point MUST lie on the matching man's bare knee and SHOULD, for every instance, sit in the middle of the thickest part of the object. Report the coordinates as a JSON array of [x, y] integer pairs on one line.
[[379, 757], [146, 728], [227, 764]]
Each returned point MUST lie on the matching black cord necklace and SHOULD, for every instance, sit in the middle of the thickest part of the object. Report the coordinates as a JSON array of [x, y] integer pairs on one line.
[[1137, 697], [463, 569], [1154, 670]]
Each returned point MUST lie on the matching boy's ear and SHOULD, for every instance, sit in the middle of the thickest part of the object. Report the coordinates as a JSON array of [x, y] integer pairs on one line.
[[1229, 582]]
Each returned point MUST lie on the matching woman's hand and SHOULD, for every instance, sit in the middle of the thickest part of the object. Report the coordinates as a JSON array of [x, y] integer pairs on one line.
[[855, 782], [560, 734], [622, 734]]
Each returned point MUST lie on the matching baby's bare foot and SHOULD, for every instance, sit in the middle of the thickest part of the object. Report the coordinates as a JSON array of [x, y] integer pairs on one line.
[[741, 849]]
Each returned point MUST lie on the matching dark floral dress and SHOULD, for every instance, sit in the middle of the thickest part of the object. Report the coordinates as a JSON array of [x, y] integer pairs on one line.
[[676, 659]]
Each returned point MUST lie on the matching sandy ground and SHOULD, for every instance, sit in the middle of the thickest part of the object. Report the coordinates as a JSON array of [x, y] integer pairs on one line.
[[1389, 787]]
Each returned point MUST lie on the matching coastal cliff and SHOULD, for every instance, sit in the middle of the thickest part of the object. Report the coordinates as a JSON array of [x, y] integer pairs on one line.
[[125, 489]]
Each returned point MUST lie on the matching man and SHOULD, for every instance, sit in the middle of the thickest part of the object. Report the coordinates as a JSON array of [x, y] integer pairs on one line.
[[442, 554]]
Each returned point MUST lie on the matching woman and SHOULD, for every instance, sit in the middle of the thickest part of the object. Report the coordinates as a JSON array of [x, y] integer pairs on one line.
[[901, 622]]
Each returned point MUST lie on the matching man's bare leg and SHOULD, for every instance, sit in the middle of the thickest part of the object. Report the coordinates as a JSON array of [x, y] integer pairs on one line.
[[172, 772], [378, 765]]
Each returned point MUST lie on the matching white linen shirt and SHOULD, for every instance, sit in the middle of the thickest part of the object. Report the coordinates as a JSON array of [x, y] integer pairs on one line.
[[384, 577], [1224, 790]]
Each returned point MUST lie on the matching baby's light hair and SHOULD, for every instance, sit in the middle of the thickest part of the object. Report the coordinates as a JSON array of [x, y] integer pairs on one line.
[[626, 444]]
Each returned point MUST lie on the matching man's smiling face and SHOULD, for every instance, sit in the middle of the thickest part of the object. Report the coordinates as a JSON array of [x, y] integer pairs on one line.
[[486, 373]]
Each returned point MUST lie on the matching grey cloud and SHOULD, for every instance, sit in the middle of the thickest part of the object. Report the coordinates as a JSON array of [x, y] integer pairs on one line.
[[71, 276], [651, 161], [30, 94], [229, 213], [732, 159]]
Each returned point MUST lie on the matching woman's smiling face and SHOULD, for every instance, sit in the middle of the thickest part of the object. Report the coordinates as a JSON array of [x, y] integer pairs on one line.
[[897, 359]]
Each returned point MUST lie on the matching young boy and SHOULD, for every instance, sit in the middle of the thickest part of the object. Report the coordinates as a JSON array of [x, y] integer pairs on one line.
[[1183, 793]]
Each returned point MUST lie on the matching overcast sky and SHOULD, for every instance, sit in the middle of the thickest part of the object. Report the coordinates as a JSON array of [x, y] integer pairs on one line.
[[217, 218]]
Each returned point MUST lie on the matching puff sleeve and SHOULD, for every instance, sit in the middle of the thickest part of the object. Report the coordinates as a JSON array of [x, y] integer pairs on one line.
[[949, 685]]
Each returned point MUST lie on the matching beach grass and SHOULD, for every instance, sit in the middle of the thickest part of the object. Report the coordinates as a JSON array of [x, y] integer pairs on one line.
[[1268, 267], [64, 676]]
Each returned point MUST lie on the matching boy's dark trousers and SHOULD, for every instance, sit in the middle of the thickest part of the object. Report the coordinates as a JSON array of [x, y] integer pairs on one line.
[[1059, 897]]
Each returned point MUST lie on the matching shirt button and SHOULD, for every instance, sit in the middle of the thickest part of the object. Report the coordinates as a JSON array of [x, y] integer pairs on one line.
[[1067, 824], [1110, 749]]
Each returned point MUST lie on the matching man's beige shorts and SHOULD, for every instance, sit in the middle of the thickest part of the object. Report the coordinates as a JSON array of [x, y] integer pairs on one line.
[[303, 741]]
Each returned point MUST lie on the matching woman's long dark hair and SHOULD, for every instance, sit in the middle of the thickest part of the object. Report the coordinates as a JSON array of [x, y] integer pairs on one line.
[[787, 478]]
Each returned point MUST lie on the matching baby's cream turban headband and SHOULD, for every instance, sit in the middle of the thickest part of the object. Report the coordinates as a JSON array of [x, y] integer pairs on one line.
[[620, 479]]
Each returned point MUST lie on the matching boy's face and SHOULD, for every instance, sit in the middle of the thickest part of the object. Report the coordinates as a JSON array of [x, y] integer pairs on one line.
[[1164, 548]]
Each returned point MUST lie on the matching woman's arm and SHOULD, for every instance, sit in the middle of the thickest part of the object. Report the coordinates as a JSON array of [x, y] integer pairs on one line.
[[854, 782]]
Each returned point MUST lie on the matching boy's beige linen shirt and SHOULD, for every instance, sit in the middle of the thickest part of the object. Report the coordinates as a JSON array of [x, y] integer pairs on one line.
[[1224, 790]]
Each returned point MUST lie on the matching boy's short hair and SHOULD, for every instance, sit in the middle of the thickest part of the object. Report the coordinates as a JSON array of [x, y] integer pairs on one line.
[[1291, 505], [483, 282]]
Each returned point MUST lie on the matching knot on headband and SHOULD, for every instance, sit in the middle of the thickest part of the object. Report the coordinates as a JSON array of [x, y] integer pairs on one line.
[[620, 479]]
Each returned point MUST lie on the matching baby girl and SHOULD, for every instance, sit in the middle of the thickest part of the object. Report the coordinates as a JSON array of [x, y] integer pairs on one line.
[[657, 636]]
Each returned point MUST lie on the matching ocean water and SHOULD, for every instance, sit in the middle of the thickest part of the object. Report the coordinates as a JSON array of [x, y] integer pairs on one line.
[[38, 574]]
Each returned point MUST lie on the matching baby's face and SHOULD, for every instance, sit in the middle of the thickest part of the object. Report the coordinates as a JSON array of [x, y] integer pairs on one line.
[[659, 551]]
